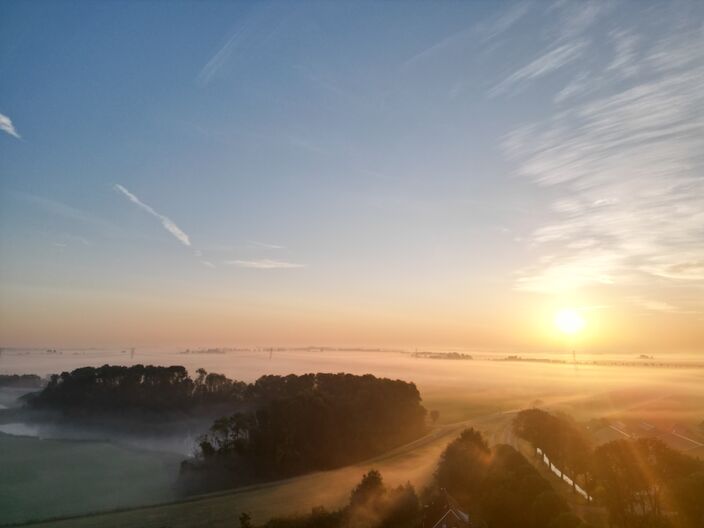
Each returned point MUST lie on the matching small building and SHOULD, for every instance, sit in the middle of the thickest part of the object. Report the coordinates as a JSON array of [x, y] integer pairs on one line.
[[454, 517]]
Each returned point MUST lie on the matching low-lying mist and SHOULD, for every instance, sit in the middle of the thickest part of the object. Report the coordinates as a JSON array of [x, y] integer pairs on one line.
[[484, 391]]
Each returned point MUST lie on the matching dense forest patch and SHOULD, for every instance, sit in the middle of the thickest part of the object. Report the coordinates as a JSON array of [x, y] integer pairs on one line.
[[309, 422], [118, 388], [276, 426]]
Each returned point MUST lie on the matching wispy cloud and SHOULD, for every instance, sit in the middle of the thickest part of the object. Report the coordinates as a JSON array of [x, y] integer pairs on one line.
[[547, 63], [658, 306], [7, 126], [264, 264], [259, 26], [626, 165], [485, 31], [199, 255], [265, 245], [68, 212], [66, 240], [576, 17], [578, 85], [166, 222], [568, 42], [625, 57], [503, 22], [217, 61], [436, 47]]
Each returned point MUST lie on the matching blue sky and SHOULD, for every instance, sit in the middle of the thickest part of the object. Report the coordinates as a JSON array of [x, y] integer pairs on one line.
[[387, 172]]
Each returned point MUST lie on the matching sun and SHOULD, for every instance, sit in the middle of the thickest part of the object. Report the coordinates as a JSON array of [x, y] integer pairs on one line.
[[569, 321]]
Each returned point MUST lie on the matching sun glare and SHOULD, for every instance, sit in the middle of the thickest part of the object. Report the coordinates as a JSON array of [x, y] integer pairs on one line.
[[569, 321]]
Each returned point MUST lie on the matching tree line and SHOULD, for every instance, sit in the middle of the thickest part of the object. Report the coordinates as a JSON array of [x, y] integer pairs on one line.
[[372, 504], [276, 426], [561, 440], [304, 423], [138, 387], [20, 381], [642, 482], [497, 488]]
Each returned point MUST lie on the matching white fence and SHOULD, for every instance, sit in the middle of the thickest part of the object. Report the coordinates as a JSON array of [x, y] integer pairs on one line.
[[563, 476]]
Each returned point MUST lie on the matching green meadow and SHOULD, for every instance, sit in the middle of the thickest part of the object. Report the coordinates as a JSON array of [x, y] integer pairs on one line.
[[50, 478]]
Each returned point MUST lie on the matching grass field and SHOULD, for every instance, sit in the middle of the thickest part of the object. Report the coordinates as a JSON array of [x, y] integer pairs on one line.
[[414, 462], [44, 478], [470, 393]]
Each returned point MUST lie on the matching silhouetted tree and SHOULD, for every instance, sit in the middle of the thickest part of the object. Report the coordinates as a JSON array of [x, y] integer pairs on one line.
[[372, 505], [21, 381], [546, 507], [118, 388], [499, 486], [434, 415], [245, 520], [369, 489], [463, 465], [564, 443], [567, 520], [315, 421], [637, 475]]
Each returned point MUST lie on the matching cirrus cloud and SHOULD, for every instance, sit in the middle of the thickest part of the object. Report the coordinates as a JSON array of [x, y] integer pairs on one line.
[[264, 264], [7, 126], [624, 162], [166, 222]]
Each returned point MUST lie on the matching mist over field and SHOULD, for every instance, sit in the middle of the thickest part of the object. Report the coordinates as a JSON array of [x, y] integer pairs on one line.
[[352, 264], [485, 378], [485, 391]]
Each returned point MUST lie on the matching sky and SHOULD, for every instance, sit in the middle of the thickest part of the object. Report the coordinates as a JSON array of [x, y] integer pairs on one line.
[[421, 174]]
